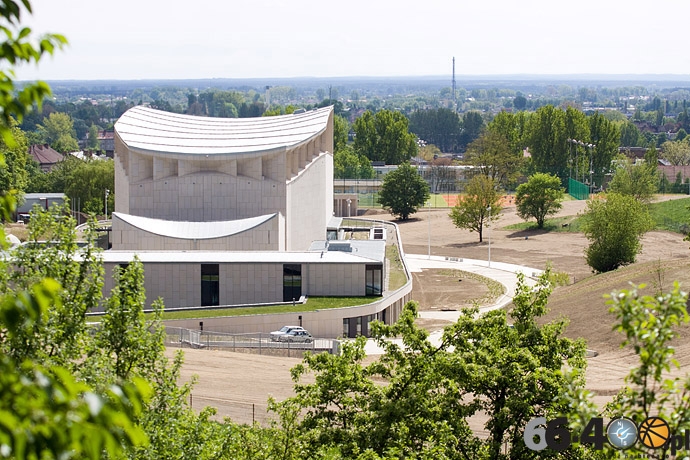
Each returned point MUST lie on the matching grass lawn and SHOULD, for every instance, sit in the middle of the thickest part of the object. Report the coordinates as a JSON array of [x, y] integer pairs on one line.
[[550, 225], [396, 275], [672, 215], [312, 304]]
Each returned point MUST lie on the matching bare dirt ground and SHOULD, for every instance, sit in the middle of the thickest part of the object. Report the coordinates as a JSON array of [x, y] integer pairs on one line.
[[233, 382]]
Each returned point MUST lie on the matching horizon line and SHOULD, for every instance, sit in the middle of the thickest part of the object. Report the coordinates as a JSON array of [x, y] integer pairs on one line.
[[588, 75]]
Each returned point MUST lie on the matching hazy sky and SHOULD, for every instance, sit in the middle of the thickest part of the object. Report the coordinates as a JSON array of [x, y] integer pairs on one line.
[[170, 39]]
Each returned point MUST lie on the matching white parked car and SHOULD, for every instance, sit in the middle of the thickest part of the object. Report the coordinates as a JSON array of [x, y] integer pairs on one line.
[[278, 336], [297, 335]]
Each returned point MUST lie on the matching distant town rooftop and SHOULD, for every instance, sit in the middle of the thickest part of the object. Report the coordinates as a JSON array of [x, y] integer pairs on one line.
[[148, 130]]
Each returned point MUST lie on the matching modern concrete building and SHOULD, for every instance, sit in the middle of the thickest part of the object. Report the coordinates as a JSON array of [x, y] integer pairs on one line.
[[237, 212]]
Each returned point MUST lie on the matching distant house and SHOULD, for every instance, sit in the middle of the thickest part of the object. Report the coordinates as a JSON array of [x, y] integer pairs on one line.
[[106, 140], [634, 153], [45, 156]]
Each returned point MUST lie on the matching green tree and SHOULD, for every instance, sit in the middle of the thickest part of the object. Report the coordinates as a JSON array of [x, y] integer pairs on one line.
[[636, 180], [45, 412], [384, 137], [429, 152], [60, 336], [348, 165], [416, 400], [58, 178], [58, 130], [630, 135], [649, 323], [511, 370], [14, 176], [20, 48], [513, 128], [38, 181], [605, 135], [491, 154], [87, 182], [441, 127], [94, 143], [479, 206], [520, 102], [547, 140], [547, 134], [676, 152], [539, 197], [341, 132], [403, 191], [614, 227], [133, 344], [472, 125], [126, 347]]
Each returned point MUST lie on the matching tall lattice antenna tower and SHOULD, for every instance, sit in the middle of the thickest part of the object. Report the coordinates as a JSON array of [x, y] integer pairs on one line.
[[454, 101]]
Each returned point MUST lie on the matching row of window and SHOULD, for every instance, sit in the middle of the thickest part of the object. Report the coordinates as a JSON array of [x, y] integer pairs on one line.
[[359, 325], [292, 282]]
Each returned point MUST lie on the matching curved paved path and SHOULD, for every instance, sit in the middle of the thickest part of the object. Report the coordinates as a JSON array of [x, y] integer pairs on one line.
[[506, 274]]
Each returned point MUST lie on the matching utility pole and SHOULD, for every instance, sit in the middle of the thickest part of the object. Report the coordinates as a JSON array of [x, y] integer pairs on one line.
[[488, 226]]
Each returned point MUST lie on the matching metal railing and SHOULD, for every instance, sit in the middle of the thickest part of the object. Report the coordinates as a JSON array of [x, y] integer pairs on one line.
[[256, 342]]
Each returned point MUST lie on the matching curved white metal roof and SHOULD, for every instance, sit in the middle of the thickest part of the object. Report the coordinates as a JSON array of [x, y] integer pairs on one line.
[[152, 130], [193, 230]]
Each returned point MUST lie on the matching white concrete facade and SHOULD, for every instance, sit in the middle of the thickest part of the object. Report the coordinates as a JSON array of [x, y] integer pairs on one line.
[[144, 234], [228, 209], [243, 283], [184, 168]]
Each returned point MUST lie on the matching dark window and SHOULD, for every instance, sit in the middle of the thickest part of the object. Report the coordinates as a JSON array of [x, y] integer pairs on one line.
[[374, 279], [351, 327], [210, 285], [292, 282]]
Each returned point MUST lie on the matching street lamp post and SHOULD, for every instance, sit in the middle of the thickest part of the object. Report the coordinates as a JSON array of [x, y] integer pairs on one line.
[[429, 233], [591, 167], [488, 221], [581, 144], [107, 192], [348, 207], [570, 159]]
